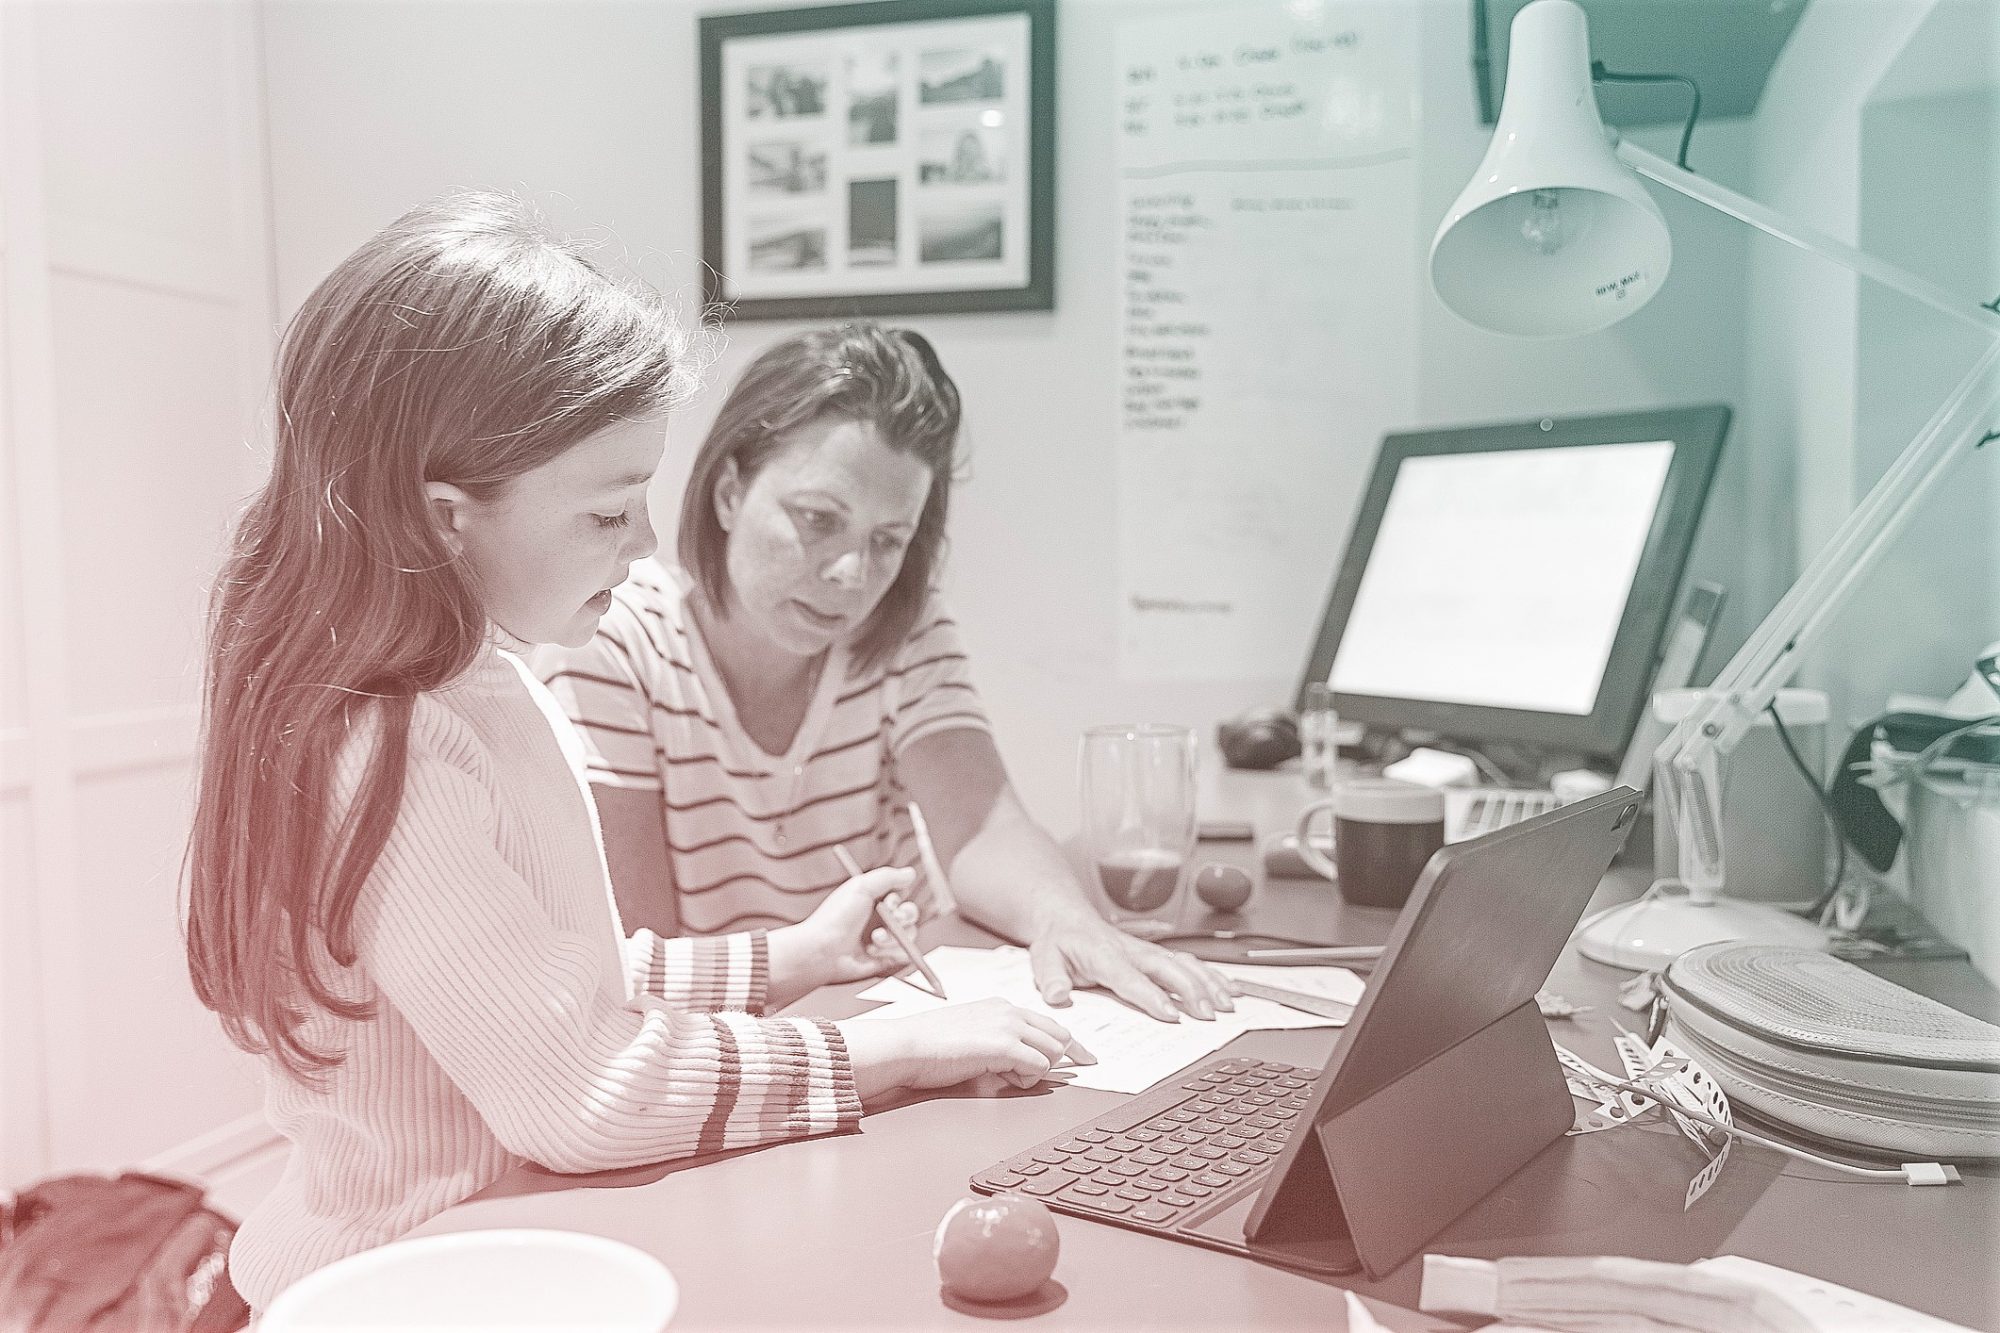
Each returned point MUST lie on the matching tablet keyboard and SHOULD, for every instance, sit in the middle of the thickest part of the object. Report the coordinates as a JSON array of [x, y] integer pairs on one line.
[[1168, 1153]]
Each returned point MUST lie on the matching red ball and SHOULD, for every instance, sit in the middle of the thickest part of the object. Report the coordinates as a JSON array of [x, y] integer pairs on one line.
[[996, 1249]]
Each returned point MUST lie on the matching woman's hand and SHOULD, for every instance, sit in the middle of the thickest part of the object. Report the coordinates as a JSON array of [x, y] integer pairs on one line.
[[954, 1043], [835, 943], [1082, 950]]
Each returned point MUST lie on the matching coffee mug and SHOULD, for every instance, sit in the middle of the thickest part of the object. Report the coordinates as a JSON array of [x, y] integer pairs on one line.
[[1384, 833]]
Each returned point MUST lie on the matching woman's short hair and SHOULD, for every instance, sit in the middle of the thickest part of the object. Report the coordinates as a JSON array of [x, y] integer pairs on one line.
[[889, 379]]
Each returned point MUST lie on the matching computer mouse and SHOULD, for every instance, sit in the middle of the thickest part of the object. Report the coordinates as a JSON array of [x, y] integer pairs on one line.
[[1260, 738]]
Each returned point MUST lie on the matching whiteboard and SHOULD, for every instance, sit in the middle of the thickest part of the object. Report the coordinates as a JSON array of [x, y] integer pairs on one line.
[[1269, 251]]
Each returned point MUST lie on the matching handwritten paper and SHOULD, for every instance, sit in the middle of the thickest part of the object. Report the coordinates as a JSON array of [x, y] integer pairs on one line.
[[1133, 1051]]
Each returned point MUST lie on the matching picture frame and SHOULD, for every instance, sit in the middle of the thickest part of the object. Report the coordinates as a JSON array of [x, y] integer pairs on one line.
[[886, 158]]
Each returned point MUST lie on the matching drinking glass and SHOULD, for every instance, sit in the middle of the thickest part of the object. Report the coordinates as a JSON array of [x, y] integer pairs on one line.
[[1138, 782], [1319, 737]]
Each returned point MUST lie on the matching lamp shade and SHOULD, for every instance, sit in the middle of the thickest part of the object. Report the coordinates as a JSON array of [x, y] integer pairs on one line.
[[1553, 237]]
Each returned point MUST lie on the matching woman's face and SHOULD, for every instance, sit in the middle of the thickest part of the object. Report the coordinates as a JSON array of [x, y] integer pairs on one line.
[[818, 535]]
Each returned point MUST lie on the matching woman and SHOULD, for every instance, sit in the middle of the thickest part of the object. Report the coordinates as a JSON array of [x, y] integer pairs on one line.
[[796, 685]]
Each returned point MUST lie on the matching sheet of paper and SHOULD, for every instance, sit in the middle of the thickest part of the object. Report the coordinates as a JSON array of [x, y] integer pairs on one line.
[[1133, 1051]]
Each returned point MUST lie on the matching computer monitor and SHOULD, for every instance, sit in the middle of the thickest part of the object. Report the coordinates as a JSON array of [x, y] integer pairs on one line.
[[1512, 582]]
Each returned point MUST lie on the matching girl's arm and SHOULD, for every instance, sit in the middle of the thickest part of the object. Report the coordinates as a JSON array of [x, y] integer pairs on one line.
[[1009, 876], [522, 1017]]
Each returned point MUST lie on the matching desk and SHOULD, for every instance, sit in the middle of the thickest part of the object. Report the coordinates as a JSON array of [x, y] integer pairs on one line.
[[836, 1232]]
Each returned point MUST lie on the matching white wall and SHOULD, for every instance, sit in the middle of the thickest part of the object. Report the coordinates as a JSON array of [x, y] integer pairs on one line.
[[136, 317], [592, 105], [1898, 157]]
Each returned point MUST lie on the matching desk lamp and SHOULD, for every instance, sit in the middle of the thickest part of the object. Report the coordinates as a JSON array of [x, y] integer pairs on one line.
[[1554, 237]]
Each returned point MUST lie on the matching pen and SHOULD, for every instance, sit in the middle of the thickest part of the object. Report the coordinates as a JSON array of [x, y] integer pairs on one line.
[[1329, 953], [933, 868], [896, 930]]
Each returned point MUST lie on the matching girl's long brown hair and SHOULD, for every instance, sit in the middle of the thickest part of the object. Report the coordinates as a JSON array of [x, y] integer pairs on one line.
[[463, 344]]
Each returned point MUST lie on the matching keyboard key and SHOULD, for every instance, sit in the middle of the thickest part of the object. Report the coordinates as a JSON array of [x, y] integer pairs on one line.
[[1228, 1143], [1182, 1117], [1147, 1157], [1251, 1156], [1136, 1196], [1102, 1203], [1153, 1212], [1049, 1183], [1148, 1184], [1031, 1168], [1210, 1179], [1168, 1173], [1003, 1180], [1093, 1136], [1175, 1199], [1292, 1083], [1196, 1189], [1051, 1157], [1226, 1118], [1088, 1187], [1104, 1155], [1265, 1121], [1190, 1162], [1143, 1135], [1231, 1169], [1124, 1169]]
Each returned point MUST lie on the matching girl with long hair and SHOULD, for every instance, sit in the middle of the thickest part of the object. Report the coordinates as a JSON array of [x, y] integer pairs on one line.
[[397, 887]]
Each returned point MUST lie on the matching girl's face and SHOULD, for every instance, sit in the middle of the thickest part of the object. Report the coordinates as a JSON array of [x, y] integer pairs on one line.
[[818, 535], [547, 550]]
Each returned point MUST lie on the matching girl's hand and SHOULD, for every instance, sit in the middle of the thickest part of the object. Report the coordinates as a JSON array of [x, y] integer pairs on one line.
[[1084, 951], [836, 942], [957, 1042]]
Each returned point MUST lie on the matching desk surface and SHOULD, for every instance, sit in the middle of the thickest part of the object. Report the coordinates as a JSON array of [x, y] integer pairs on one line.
[[836, 1231]]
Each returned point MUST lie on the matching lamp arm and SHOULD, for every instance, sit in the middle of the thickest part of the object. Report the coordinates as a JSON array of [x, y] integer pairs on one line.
[[1687, 764], [1773, 223]]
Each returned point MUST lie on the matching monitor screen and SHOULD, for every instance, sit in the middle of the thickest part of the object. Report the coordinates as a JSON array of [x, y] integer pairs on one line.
[[1512, 582]]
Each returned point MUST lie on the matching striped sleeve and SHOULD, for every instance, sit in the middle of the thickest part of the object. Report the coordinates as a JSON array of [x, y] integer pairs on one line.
[[702, 973], [930, 683], [607, 688], [518, 1013]]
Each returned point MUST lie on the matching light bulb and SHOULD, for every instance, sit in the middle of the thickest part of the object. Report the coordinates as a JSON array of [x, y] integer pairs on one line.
[[1547, 226]]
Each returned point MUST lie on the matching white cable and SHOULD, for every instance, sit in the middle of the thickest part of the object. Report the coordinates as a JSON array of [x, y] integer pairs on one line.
[[1910, 1173]]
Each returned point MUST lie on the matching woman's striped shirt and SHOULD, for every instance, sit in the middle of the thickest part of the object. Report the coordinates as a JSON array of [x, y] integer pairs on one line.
[[750, 835]]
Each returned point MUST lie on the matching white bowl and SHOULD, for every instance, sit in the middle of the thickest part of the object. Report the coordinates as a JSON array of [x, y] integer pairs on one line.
[[495, 1281]]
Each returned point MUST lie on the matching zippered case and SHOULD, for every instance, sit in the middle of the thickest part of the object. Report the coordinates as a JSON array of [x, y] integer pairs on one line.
[[1822, 1047]]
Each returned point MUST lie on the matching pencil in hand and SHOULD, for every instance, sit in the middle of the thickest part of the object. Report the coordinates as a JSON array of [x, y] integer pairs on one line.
[[897, 931]]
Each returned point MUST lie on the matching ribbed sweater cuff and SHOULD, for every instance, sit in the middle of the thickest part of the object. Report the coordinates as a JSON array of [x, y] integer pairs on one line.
[[847, 1100], [703, 974]]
